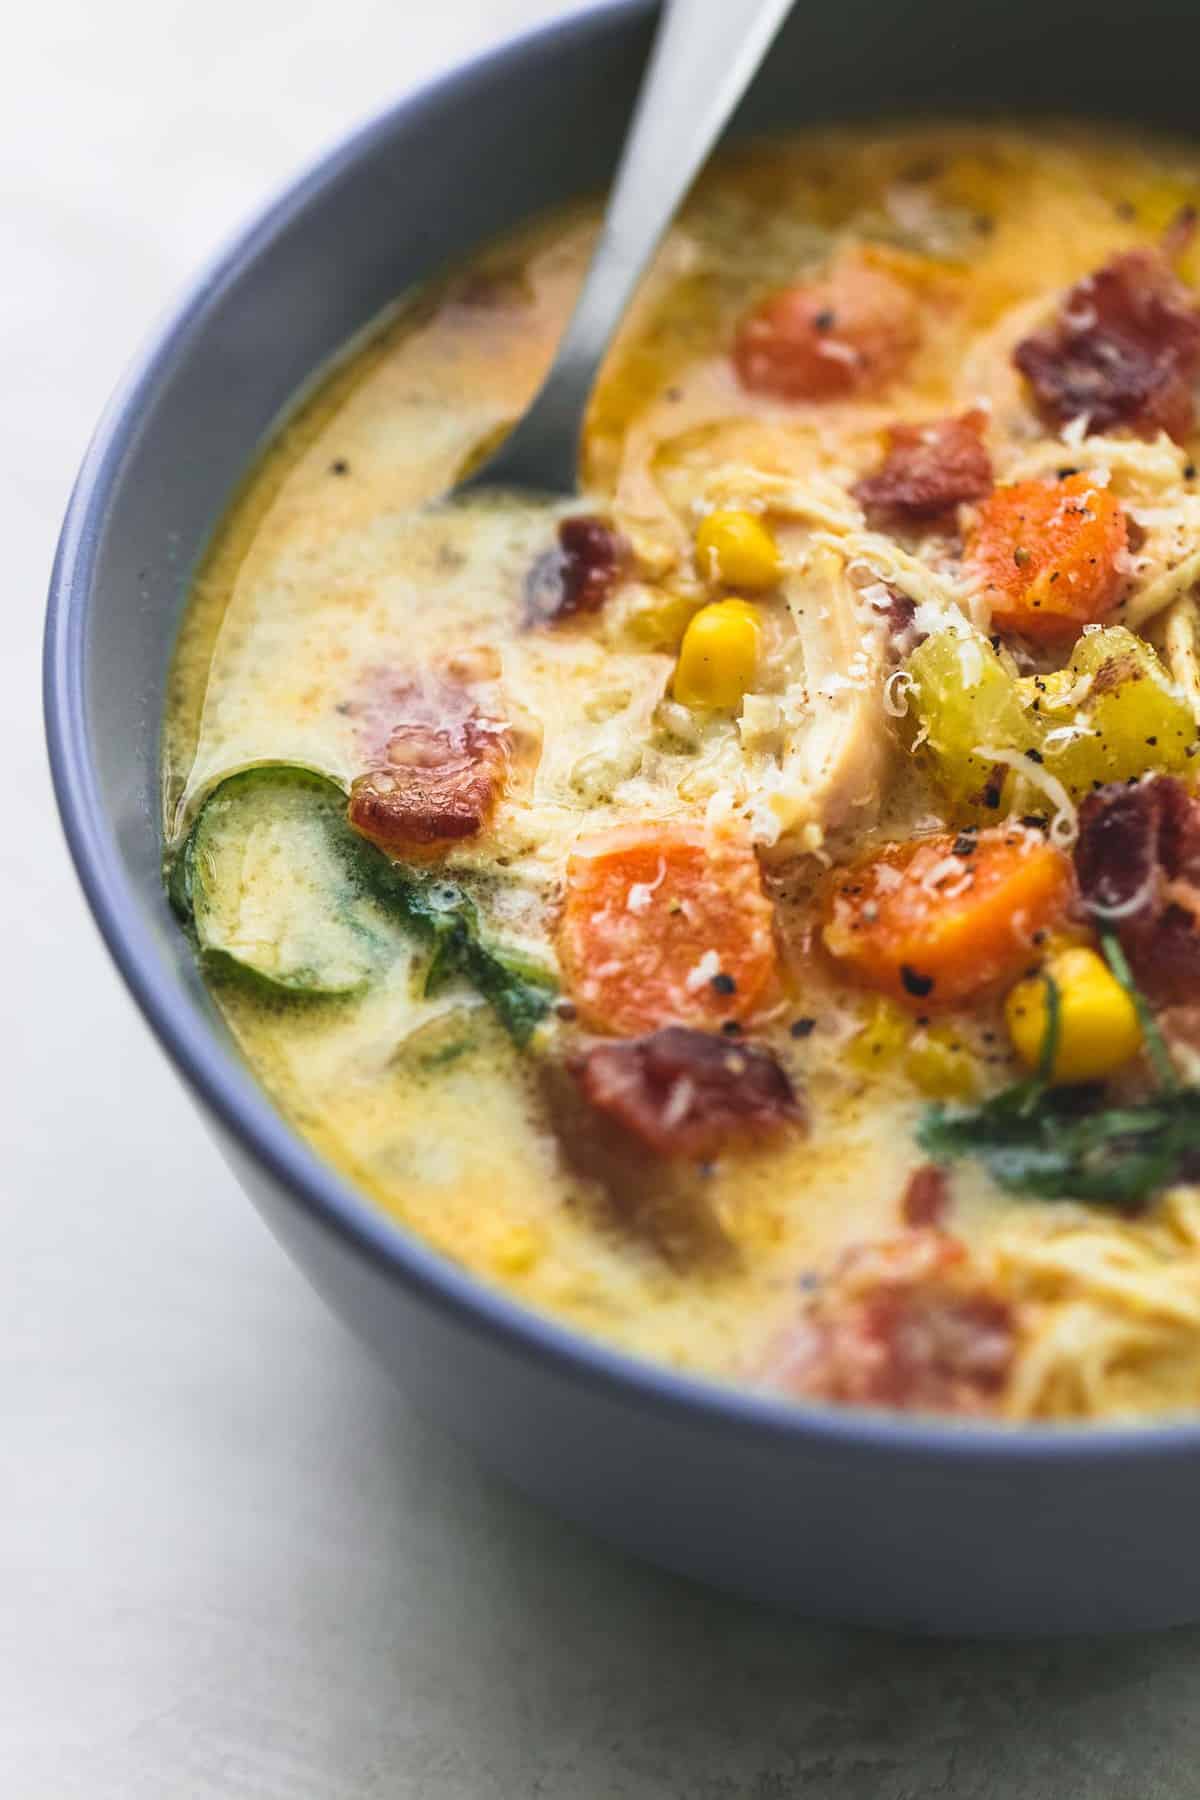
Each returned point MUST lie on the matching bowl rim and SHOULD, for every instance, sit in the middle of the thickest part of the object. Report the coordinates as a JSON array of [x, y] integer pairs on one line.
[[211, 1069]]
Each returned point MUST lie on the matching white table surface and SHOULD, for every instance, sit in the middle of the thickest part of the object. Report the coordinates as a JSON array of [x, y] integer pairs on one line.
[[233, 1562]]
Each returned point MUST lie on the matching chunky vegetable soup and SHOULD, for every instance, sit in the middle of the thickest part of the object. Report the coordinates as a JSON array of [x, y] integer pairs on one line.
[[752, 911]]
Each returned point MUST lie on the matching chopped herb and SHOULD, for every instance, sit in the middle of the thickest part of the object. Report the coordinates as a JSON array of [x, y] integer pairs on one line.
[[519, 992], [1156, 1049], [1065, 1143]]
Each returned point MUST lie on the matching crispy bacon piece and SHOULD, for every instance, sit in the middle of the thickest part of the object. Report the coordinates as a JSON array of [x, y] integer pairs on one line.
[[928, 469], [687, 1093], [904, 1323], [1123, 350], [579, 574], [441, 785], [441, 772], [926, 1197], [1138, 864], [1125, 835]]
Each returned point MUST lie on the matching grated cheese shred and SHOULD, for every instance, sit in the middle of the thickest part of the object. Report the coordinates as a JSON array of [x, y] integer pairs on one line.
[[1064, 825]]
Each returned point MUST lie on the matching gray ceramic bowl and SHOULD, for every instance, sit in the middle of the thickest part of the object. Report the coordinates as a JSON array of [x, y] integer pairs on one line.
[[937, 1527]]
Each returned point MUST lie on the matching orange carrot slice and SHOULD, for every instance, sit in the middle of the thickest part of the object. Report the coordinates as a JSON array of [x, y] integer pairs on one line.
[[1049, 555], [936, 921], [822, 340], [664, 924]]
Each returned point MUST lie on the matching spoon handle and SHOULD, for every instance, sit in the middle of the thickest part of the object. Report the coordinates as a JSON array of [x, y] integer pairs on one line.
[[703, 60]]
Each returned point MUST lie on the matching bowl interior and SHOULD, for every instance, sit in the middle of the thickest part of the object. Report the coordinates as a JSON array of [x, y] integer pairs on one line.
[[514, 133]]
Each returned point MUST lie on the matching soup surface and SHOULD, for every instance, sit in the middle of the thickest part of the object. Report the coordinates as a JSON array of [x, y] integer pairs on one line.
[[751, 912]]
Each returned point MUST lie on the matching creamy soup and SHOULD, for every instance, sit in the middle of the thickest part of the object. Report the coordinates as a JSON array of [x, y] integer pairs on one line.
[[751, 911]]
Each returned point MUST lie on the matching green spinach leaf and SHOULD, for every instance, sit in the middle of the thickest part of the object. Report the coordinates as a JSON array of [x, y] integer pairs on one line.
[[340, 876], [1067, 1143]]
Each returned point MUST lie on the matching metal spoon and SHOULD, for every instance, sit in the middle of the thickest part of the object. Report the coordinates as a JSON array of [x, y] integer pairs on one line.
[[705, 54]]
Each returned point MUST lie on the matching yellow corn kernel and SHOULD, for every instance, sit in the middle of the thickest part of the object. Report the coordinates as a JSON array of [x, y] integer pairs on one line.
[[719, 655], [939, 1063], [1098, 1027], [882, 1038], [738, 549]]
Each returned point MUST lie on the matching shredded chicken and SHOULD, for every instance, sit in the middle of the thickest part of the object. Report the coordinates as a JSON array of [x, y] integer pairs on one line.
[[1110, 1308], [1181, 640], [834, 755], [1138, 470], [1171, 585]]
